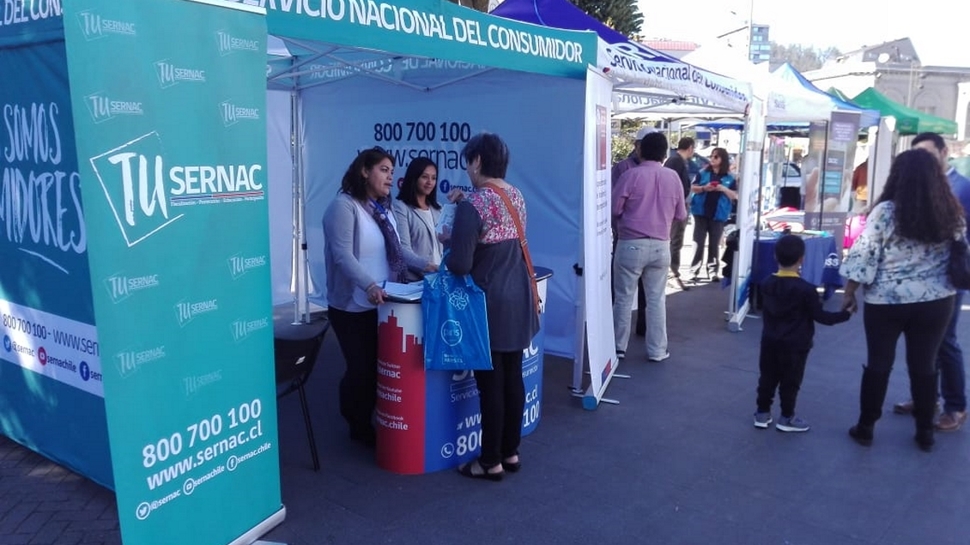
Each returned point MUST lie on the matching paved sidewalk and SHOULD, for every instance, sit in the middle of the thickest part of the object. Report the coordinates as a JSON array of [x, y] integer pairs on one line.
[[677, 462]]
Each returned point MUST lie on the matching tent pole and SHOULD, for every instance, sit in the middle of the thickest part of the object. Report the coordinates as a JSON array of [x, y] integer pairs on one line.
[[304, 261], [295, 269]]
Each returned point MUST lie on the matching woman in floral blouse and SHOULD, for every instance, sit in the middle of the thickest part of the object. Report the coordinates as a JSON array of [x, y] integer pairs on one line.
[[485, 243], [901, 260]]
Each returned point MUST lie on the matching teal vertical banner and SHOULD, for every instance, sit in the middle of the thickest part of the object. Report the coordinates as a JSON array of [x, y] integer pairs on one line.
[[169, 111]]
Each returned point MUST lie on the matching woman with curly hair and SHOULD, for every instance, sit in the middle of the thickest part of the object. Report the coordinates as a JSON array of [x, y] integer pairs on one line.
[[901, 261]]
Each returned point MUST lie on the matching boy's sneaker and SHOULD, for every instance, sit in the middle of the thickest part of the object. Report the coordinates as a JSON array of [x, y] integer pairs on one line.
[[761, 420], [793, 424]]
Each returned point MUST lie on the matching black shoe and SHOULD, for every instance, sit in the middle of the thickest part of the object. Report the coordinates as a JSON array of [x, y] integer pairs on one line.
[[366, 436], [925, 440], [475, 470], [861, 434]]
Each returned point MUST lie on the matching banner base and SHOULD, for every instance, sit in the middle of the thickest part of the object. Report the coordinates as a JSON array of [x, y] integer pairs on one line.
[[261, 529]]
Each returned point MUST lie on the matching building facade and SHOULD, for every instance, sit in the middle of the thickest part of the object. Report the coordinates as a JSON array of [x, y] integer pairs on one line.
[[894, 69]]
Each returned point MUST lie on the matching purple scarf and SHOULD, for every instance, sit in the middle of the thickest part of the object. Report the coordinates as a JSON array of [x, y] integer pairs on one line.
[[392, 244]]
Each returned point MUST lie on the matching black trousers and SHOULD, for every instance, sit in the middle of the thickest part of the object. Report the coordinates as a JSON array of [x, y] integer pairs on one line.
[[923, 325], [709, 231], [782, 369], [357, 334], [501, 393]]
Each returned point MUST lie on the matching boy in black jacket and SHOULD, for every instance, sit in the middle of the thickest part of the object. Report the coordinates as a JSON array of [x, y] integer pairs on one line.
[[791, 306]]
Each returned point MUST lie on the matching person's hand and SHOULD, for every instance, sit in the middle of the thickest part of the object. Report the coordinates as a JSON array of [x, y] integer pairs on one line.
[[376, 295], [445, 234], [456, 195], [431, 267], [849, 303]]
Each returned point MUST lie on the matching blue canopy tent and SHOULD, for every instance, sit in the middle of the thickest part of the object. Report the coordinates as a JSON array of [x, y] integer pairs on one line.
[[867, 117], [418, 81], [644, 80]]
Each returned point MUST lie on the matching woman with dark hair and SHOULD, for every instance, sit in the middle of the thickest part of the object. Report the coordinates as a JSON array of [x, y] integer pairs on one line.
[[417, 211], [900, 259], [361, 252], [713, 190], [485, 242]]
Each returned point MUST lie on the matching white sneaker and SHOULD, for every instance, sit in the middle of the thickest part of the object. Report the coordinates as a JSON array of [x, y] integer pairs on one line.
[[660, 358]]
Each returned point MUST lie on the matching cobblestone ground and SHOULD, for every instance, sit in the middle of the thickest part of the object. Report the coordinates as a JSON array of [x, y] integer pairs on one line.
[[41, 503]]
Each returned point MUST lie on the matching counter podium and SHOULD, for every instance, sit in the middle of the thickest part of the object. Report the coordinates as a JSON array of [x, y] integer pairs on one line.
[[430, 420]]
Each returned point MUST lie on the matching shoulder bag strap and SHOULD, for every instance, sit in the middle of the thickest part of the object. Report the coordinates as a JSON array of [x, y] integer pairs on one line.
[[522, 241]]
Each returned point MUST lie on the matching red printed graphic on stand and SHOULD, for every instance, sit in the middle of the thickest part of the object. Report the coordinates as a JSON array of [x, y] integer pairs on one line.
[[400, 411]]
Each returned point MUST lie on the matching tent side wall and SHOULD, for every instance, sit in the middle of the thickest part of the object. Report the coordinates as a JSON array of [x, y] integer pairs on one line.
[[50, 400], [539, 117]]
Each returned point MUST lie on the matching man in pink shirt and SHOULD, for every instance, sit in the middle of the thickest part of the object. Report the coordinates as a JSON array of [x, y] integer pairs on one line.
[[646, 201]]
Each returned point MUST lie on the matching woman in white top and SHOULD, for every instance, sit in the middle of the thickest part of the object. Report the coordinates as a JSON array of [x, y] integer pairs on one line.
[[362, 251], [900, 260], [417, 211]]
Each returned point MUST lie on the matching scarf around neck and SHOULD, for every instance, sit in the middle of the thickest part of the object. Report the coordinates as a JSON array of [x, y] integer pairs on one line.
[[392, 244]]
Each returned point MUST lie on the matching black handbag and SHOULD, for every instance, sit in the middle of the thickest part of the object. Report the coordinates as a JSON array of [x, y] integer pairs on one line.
[[958, 269]]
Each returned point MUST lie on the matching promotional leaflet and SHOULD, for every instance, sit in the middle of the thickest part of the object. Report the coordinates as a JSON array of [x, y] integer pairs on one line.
[[169, 107]]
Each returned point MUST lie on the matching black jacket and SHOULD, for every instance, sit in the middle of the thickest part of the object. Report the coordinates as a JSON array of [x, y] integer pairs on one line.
[[791, 306]]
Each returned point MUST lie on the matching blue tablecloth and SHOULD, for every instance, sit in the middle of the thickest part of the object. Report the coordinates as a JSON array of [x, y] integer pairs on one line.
[[821, 265]]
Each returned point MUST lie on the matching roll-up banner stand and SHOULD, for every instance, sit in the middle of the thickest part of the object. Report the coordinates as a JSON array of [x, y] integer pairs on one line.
[[171, 141]]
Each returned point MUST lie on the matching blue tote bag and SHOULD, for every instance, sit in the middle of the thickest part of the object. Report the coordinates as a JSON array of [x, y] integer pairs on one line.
[[455, 324]]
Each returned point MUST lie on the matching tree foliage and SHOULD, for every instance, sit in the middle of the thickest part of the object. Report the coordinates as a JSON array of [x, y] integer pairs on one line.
[[803, 58], [622, 16], [480, 5]]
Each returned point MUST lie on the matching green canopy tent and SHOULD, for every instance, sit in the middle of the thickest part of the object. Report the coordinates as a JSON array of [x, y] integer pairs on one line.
[[908, 120]]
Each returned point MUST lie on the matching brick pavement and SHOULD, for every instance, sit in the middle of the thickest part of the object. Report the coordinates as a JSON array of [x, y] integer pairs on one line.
[[44, 503]]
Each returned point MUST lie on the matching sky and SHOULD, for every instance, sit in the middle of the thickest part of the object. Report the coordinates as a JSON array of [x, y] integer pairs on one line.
[[940, 32]]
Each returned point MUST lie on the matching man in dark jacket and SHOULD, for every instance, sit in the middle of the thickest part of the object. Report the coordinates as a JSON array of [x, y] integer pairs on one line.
[[678, 163]]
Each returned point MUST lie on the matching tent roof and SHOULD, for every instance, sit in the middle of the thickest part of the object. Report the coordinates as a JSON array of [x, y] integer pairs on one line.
[[908, 120], [361, 36], [634, 67], [785, 101], [868, 117]]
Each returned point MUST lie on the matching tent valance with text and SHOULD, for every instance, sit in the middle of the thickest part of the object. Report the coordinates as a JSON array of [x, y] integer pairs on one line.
[[433, 29]]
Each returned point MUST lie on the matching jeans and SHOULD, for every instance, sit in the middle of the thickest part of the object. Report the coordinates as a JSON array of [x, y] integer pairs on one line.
[[357, 335], [923, 325], [648, 260], [950, 362], [711, 230], [502, 399], [677, 229]]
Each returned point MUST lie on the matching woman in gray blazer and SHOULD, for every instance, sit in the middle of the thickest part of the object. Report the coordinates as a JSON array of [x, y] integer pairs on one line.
[[362, 250], [416, 211]]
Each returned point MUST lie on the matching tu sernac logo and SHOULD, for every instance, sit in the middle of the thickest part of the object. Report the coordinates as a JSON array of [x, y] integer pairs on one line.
[[229, 44], [241, 329], [233, 113], [142, 190], [170, 74], [129, 361], [121, 287], [186, 311], [240, 264], [94, 27], [103, 107]]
